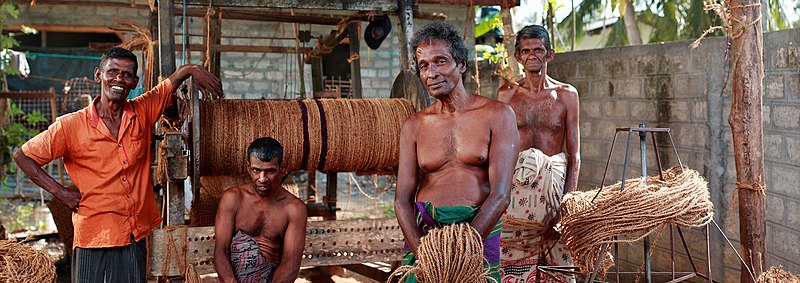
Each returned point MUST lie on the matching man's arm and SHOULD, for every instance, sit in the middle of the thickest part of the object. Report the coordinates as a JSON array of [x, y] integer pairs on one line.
[[294, 241], [503, 152], [407, 176], [205, 81], [223, 233], [573, 136], [39, 177]]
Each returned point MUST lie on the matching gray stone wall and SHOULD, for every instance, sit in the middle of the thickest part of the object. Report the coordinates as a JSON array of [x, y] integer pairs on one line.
[[671, 85]]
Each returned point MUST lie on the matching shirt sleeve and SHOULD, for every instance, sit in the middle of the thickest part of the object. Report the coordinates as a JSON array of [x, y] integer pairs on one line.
[[48, 145], [152, 103]]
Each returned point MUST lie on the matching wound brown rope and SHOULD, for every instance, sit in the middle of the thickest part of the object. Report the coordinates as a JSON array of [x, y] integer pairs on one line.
[[682, 199], [453, 253], [778, 275], [19, 263], [180, 253]]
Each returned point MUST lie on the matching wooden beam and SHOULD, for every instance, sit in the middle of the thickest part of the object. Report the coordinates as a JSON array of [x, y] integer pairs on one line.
[[748, 135], [350, 5], [166, 38], [471, 2], [244, 48], [327, 44], [64, 28], [213, 28]]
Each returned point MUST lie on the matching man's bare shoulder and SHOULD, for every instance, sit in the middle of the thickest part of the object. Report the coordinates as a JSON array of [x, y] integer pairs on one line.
[[507, 91], [293, 204], [492, 105]]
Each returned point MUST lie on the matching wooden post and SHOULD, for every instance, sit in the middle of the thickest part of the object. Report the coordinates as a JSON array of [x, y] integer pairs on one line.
[[405, 12], [746, 126], [355, 63], [512, 72], [212, 26]]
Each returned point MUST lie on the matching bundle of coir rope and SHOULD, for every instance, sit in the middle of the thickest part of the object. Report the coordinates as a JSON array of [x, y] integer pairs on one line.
[[681, 199], [778, 275], [23, 264], [453, 253]]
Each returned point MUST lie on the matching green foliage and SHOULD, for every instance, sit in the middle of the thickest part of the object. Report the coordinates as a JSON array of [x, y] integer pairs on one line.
[[16, 216], [16, 132], [497, 55], [388, 211]]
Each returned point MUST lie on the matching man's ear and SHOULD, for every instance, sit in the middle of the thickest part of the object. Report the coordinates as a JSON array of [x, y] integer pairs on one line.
[[97, 74], [550, 55]]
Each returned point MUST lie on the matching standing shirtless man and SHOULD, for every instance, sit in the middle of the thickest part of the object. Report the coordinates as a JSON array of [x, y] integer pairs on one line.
[[547, 118], [457, 155], [260, 227]]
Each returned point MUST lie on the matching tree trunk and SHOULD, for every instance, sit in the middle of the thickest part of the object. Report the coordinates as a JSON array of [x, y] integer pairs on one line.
[[746, 126], [550, 25], [512, 73], [634, 36]]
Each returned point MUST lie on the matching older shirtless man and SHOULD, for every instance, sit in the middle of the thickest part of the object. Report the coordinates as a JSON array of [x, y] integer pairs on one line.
[[547, 119], [260, 227], [457, 155]]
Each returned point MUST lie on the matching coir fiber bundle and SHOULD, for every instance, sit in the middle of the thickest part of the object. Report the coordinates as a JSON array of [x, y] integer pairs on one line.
[[453, 253], [778, 275], [682, 199], [319, 134], [21, 264]]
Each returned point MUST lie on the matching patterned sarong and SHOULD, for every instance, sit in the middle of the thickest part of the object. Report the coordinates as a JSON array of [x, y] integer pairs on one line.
[[249, 264], [430, 217], [537, 189]]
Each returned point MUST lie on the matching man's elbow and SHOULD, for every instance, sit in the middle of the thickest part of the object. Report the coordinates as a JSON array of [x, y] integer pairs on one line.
[[18, 156]]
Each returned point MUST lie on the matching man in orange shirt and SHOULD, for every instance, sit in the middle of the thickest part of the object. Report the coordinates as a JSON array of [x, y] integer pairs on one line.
[[106, 151]]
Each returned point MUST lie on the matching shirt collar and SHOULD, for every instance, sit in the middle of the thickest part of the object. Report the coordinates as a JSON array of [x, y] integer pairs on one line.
[[95, 117]]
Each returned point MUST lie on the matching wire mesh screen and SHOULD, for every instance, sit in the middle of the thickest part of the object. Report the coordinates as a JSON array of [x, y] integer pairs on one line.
[[76, 93]]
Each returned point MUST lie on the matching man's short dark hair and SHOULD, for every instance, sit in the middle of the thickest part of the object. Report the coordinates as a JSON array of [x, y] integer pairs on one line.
[[265, 149], [119, 53], [441, 31], [533, 31]]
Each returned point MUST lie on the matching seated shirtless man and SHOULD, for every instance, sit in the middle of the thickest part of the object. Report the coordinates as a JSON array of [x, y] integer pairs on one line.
[[457, 155], [260, 227], [547, 119]]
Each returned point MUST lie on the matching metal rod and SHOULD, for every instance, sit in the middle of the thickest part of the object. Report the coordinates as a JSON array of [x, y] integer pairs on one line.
[[603, 181], [686, 248], [734, 250], [682, 278], [708, 253], [597, 264], [625, 165], [672, 250], [675, 149], [643, 153], [658, 156]]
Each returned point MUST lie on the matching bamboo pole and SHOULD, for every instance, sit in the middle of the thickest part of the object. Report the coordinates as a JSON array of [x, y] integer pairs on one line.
[[746, 126]]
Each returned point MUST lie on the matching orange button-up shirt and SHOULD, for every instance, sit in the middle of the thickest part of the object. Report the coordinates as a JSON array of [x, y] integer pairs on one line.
[[113, 175]]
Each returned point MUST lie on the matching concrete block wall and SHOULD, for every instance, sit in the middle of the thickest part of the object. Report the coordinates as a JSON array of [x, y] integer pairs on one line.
[[671, 85]]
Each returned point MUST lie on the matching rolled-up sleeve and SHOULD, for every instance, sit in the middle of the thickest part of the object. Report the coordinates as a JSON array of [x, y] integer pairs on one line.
[[47, 145]]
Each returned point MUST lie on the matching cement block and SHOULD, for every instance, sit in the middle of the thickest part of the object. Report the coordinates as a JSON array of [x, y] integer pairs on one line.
[[774, 86], [775, 208], [369, 73], [679, 110], [628, 88], [601, 89], [787, 57], [261, 86], [644, 110], [658, 87], [793, 84], [586, 129], [617, 68], [784, 242], [792, 206], [786, 116], [766, 115], [773, 147], [699, 111], [591, 109], [671, 64], [645, 65], [793, 148], [616, 109], [581, 86], [563, 70], [789, 176], [589, 69]]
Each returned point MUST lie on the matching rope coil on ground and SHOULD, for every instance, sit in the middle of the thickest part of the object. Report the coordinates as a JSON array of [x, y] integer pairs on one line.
[[682, 199], [23, 264], [778, 275], [453, 253]]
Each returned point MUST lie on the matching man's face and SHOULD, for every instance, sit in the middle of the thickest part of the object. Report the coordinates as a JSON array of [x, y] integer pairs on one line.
[[533, 55], [266, 175], [117, 77], [438, 69]]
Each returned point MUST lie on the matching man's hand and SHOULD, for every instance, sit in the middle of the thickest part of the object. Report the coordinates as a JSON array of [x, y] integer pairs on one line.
[[550, 222], [70, 198], [205, 81]]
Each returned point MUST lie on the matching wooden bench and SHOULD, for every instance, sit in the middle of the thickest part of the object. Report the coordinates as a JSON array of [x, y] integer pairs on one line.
[[328, 243]]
